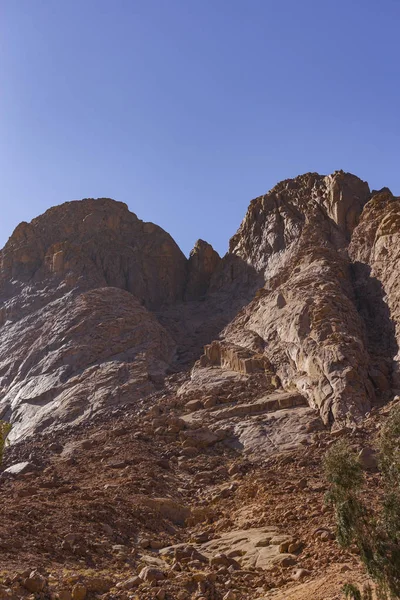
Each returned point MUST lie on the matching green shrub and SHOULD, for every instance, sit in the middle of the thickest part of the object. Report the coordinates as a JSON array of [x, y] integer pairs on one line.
[[376, 533], [5, 429], [352, 592]]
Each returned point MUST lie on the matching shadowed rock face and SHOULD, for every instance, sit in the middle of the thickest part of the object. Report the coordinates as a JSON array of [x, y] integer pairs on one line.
[[95, 304], [203, 262], [375, 253], [90, 244]]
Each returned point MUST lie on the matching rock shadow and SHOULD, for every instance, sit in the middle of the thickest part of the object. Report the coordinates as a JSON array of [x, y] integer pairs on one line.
[[380, 329], [196, 323]]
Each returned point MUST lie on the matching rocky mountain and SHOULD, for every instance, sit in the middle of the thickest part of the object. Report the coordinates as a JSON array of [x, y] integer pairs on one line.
[[307, 319], [97, 305], [185, 393]]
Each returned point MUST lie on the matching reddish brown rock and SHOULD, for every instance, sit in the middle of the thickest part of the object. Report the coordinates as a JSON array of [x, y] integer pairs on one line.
[[90, 244]]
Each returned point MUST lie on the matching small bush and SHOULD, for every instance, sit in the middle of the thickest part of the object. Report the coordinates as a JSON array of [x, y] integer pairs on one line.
[[344, 473], [375, 533], [5, 429], [351, 592]]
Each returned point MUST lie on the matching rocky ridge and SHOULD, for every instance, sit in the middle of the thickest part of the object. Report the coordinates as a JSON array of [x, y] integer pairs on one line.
[[321, 319], [306, 246]]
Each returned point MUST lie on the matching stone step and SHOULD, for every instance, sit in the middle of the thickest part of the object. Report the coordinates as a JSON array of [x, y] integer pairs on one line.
[[269, 403]]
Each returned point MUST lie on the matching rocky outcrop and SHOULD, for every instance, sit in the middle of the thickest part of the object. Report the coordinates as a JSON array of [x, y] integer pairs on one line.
[[306, 314], [314, 337], [271, 229], [375, 252], [234, 358], [77, 355], [76, 335], [86, 245], [203, 262]]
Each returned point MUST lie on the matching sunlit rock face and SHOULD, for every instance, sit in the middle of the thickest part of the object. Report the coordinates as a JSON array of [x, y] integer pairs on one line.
[[94, 243], [76, 287], [97, 306], [312, 318]]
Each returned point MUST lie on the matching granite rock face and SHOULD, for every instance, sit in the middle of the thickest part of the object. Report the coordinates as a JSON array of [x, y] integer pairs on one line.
[[76, 286], [274, 223], [297, 237], [91, 244], [306, 318], [375, 251], [96, 306], [79, 354]]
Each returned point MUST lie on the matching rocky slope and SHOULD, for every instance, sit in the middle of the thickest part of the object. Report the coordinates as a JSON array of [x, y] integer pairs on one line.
[[170, 414], [125, 508]]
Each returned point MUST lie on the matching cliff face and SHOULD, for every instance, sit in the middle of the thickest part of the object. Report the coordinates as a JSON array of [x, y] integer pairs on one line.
[[90, 244], [203, 262], [274, 223], [374, 251], [76, 334], [312, 315], [96, 305]]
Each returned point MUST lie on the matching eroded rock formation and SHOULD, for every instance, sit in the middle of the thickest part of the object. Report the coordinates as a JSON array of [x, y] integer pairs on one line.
[[312, 315], [76, 287], [203, 262], [96, 305], [90, 244]]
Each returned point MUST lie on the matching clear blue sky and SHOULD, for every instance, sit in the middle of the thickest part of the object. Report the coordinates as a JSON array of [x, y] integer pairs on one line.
[[187, 109]]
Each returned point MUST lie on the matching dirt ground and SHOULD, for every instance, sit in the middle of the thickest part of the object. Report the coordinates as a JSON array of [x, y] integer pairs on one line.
[[102, 501]]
